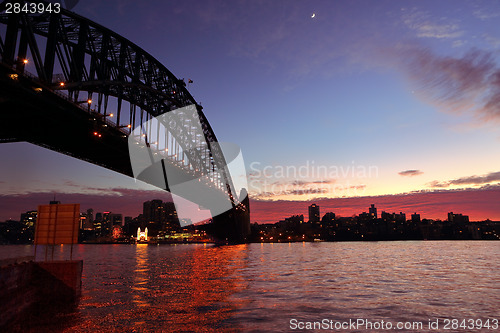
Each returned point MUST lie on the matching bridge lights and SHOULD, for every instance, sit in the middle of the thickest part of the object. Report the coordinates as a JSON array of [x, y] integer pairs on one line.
[[25, 61], [61, 84], [111, 115], [129, 126], [14, 76], [89, 101]]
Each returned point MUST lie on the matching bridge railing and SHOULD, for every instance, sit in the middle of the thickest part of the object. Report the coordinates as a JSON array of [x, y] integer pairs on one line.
[[105, 120], [59, 93]]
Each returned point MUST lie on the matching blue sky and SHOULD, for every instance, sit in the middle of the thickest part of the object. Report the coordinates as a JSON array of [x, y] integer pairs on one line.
[[400, 85]]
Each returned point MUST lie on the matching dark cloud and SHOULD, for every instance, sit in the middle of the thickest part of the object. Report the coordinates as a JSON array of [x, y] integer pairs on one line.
[[120, 200], [307, 191], [285, 191], [467, 84], [410, 173], [299, 182], [305, 183], [471, 180], [328, 181], [357, 187]]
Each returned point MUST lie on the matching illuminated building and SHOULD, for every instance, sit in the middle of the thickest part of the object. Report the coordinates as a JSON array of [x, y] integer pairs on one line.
[[314, 213], [372, 211], [142, 236], [90, 215], [160, 215], [29, 218], [106, 224], [88, 223], [116, 219], [457, 218]]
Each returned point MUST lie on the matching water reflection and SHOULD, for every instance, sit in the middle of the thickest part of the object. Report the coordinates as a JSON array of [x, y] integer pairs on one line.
[[260, 287], [170, 288], [141, 276]]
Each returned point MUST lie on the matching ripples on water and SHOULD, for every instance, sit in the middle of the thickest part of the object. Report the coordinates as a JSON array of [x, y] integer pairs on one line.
[[260, 287]]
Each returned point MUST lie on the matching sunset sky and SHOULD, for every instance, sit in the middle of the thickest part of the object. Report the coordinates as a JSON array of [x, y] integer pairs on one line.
[[330, 101]]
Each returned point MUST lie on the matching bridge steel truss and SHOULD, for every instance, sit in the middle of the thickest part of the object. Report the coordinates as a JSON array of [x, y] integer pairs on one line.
[[94, 64], [120, 87]]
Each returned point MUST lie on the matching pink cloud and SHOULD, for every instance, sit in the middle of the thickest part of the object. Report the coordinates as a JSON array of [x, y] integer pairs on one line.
[[410, 173], [478, 204]]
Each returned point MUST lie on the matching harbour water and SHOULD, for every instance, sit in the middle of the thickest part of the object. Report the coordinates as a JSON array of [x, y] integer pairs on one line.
[[279, 287]]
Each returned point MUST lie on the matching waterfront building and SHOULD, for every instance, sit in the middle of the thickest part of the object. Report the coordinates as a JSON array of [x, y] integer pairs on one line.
[[314, 213], [372, 211]]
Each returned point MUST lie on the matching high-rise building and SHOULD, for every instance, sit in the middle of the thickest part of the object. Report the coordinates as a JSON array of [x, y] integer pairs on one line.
[[98, 224], [401, 217], [152, 210], [328, 217], [116, 219], [106, 224], [83, 220], [170, 219], [90, 215], [162, 214], [314, 213], [29, 218], [372, 211], [394, 217], [87, 220], [415, 218], [457, 218]]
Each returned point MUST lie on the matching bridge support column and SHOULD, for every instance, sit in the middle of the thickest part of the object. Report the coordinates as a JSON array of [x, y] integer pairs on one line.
[[233, 226]]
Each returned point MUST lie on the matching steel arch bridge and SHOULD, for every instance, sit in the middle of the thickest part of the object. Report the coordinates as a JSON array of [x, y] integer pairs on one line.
[[76, 87]]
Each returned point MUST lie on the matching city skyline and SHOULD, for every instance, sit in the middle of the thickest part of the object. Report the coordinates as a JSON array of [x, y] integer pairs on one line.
[[407, 88], [159, 222], [306, 209], [315, 163]]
